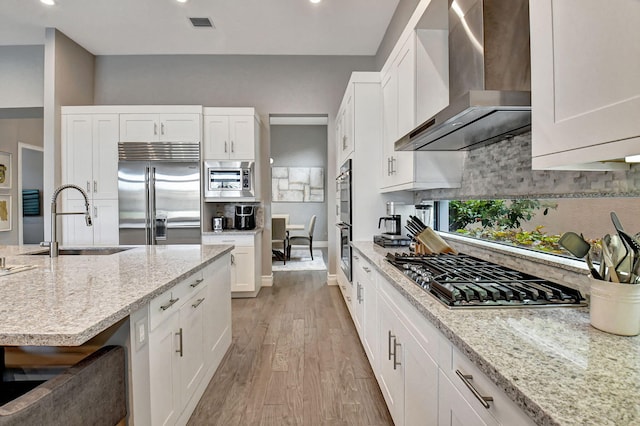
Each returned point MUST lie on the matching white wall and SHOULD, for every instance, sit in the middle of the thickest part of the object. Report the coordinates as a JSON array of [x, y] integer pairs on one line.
[[271, 84], [21, 76]]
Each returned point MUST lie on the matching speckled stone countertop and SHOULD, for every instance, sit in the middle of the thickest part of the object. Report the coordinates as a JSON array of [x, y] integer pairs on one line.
[[550, 361], [235, 232], [67, 300]]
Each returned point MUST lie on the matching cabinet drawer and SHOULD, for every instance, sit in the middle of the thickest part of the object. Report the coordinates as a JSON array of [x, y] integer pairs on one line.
[[164, 305], [236, 240], [502, 408]]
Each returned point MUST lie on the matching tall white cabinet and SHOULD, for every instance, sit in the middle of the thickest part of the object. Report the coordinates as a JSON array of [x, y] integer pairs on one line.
[[90, 160], [413, 90], [585, 62]]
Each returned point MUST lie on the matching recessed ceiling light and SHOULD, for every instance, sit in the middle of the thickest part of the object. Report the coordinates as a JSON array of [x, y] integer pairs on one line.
[[182, 1], [632, 159], [315, 1], [48, 2]]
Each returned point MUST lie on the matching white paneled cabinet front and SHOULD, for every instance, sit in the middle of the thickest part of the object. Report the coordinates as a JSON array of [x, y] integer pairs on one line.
[[145, 127], [585, 61], [405, 170], [189, 333], [245, 260], [230, 136], [104, 228], [90, 161]]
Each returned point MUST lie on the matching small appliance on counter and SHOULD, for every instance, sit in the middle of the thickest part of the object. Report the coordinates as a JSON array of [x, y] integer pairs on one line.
[[218, 223], [392, 237], [245, 217]]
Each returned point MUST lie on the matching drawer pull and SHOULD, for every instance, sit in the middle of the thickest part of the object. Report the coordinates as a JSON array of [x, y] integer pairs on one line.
[[484, 400], [356, 257], [170, 304], [366, 269], [390, 336], [179, 334], [197, 283], [396, 345], [198, 302]]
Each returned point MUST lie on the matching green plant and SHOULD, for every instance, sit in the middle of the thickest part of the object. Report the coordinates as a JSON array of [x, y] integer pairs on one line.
[[503, 214]]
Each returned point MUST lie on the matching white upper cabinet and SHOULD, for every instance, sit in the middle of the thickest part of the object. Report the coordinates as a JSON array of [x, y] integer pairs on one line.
[[230, 134], [411, 82], [344, 128], [170, 127], [585, 68]]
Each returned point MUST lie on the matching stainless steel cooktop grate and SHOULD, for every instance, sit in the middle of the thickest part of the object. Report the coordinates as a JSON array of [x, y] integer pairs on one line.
[[462, 281]]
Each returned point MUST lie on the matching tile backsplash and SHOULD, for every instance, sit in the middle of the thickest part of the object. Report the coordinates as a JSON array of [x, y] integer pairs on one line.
[[503, 170]]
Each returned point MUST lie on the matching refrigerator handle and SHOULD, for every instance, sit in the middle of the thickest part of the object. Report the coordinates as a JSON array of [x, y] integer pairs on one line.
[[152, 206], [147, 200]]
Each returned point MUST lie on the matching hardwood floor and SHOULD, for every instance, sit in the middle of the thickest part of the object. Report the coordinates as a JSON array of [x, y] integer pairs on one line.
[[295, 359]]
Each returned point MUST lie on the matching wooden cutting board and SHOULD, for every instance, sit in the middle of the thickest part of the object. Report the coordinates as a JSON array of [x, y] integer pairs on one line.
[[433, 242]]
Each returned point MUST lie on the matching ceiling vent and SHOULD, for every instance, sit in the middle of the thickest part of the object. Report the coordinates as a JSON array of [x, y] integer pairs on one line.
[[201, 22]]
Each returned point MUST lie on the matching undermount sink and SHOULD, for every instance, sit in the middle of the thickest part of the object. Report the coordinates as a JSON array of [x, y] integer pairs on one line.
[[90, 251]]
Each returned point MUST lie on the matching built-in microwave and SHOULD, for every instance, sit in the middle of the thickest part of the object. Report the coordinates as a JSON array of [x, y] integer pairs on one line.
[[229, 179]]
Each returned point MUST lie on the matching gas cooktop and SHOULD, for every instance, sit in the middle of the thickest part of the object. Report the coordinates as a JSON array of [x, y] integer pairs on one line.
[[462, 281]]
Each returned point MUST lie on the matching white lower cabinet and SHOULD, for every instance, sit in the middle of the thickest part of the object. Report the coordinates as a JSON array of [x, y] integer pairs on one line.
[[189, 333], [102, 232], [246, 264], [424, 379]]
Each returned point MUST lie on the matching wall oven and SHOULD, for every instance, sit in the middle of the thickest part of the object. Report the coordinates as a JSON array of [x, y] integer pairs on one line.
[[344, 188], [229, 180]]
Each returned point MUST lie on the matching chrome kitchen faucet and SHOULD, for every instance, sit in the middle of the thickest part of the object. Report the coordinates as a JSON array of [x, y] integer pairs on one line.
[[53, 244]]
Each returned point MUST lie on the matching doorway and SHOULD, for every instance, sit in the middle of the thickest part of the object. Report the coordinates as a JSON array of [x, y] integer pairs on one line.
[[299, 188], [30, 189]]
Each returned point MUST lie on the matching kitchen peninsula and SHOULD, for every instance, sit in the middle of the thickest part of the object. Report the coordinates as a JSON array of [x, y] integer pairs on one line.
[[170, 306]]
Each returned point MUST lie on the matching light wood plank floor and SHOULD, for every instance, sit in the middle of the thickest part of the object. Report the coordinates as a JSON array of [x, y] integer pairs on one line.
[[295, 359]]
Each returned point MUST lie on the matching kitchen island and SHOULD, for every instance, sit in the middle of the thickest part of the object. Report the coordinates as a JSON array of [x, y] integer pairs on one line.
[[170, 306], [550, 362]]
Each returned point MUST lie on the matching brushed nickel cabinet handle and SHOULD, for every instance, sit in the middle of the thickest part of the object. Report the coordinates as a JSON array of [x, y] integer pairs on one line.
[[198, 302], [225, 146], [179, 334], [396, 345], [162, 129], [366, 269], [169, 304], [389, 337], [196, 283], [232, 148], [233, 260], [95, 212], [95, 186], [155, 128], [466, 379], [88, 186]]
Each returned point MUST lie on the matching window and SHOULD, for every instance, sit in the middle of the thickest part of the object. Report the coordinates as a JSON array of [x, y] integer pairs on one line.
[[537, 224]]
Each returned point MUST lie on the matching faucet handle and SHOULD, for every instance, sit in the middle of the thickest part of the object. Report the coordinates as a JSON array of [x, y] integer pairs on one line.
[[45, 244]]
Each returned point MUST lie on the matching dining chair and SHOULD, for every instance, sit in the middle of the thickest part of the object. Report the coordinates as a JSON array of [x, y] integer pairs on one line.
[[279, 238], [303, 240]]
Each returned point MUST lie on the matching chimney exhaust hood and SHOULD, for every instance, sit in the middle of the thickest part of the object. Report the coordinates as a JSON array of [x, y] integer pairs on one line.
[[489, 78]]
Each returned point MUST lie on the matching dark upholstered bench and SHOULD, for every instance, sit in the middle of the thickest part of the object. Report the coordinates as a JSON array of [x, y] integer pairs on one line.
[[91, 392]]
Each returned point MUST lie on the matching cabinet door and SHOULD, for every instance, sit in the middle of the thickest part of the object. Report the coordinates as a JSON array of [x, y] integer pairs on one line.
[[406, 73], [139, 127], [370, 326], [453, 409], [104, 184], [390, 373], [217, 307], [242, 137], [180, 127], [192, 343], [348, 131], [216, 137], [164, 372], [420, 384], [389, 124], [77, 155], [243, 269], [585, 86], [358, 301], [75, 231], [105, 222]]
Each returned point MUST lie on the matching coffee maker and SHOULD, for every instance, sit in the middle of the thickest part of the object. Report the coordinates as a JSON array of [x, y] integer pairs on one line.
[[392, 235]]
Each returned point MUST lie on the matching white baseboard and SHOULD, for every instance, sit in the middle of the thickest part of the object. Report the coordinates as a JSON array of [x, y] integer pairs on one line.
[[267, 280], [332, 279]]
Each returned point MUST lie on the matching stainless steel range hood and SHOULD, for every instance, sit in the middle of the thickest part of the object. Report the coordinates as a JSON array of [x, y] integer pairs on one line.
[[489, 78]]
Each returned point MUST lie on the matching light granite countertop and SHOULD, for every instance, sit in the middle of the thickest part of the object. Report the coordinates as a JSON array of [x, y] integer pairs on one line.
[[550, 361], [254, 231], [67, 300]]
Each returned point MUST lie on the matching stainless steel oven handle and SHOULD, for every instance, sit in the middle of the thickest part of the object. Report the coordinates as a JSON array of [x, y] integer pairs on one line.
[[484, 400]]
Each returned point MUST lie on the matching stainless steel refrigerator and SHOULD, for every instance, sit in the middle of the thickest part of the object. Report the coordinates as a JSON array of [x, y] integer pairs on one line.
[[159, 192]]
